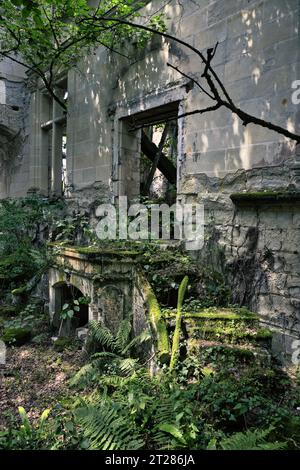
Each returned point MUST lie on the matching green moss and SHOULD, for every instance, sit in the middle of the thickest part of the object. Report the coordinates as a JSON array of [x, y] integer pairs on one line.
[[16, 336], [95, 251], [176, 336], [236, 333], [216, 314], [121, 253], [264, 334], [158, 324], [62, 343]]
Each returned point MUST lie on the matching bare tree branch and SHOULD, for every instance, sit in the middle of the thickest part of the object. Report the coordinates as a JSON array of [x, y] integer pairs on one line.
[[100, 23], [192, 79], [210, 76]]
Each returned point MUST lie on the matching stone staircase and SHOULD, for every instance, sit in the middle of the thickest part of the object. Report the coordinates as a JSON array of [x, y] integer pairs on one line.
[[232, 332]]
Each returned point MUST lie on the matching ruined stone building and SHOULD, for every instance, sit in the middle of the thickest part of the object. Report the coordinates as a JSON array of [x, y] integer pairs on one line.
[[247, 177]]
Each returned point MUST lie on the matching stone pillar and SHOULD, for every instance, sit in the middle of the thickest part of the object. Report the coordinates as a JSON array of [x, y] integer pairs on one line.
[[39, 160], [56, 150]]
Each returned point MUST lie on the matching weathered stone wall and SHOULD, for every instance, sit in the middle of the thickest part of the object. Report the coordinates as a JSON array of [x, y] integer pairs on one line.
[[254, 240], [258, 59], [14, 130], [109, 281]]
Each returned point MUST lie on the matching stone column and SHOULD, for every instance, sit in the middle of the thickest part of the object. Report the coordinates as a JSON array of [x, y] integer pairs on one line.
[[56, 150], [39, 163]]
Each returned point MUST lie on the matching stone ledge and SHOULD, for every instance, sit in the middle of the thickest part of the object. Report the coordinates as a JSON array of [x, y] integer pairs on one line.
[[92, 253], [263, 197]]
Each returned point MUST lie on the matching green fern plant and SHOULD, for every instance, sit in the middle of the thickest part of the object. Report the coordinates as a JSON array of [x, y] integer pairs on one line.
[[252, 440], [26, 436], [176, 336], [173, 416], [115, 358], [105, 428]]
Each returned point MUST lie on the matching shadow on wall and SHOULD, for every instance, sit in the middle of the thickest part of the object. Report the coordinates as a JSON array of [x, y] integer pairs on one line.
[[10, 159], [256, 59]]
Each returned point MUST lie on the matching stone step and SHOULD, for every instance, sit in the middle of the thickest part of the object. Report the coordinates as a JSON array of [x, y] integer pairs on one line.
[[226, 325], [225, 334], [214, 314]]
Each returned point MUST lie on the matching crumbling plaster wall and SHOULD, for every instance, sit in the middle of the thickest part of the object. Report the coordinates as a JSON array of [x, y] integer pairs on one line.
[[14, 130]]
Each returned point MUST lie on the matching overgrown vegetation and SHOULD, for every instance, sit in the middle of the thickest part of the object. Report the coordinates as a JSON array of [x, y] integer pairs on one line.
[[215, 386]]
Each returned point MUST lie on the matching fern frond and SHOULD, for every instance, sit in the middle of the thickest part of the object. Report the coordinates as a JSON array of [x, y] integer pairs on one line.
[[106, 429], [115, 381], [123, 334], [128, 365], [83, 376], [105, 355], [88, 373], [140, 339], [165, 417], [102, 335], [252, 440]]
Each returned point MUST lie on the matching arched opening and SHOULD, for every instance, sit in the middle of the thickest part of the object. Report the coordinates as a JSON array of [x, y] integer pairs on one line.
[[67, 294]]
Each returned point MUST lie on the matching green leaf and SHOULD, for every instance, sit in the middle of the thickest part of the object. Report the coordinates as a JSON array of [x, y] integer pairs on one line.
[[173, 430], [69, 426], [44, 416], [38, 20], [212, 445], [70, 313], [24, 419], [85, 444]]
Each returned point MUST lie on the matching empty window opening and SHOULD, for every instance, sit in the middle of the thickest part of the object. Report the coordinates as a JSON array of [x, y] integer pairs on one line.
[[149, 153], [55, 139], [64, 161], [155, 184]]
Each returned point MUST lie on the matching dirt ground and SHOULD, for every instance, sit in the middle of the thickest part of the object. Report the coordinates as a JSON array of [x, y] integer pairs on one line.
[[35, 377]]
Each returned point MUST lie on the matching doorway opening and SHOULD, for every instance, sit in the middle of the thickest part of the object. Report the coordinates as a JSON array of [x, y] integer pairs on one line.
[[149, 154], [155, 184], [67, 294]]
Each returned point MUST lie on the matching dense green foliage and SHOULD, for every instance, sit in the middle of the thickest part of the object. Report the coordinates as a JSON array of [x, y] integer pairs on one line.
[[24, 229], [247, 408], [51, 36], [16, 336], [224, 390]]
